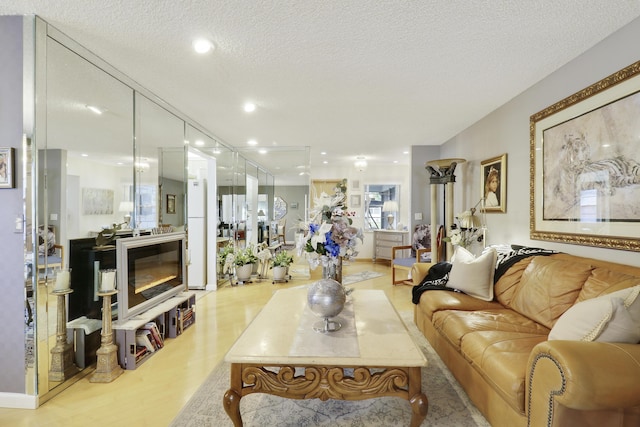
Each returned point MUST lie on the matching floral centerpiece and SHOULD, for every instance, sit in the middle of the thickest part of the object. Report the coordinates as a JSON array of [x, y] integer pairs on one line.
[[329, 236], [467, 231]]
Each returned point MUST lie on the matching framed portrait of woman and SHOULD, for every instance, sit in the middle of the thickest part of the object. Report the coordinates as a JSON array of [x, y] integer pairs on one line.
[[493, 183]]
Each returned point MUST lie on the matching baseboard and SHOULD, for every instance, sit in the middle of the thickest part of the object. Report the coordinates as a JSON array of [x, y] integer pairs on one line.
[[18, 401]]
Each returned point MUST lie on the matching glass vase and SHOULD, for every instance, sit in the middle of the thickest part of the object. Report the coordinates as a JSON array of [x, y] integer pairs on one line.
[[333, 269]]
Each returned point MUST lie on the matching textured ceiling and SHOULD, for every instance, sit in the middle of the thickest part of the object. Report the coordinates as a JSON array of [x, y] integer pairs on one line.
[[352, 78]]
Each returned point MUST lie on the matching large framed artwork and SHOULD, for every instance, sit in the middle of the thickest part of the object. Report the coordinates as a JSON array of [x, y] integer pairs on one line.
[[7, 163], [585, 165], [493, 183]]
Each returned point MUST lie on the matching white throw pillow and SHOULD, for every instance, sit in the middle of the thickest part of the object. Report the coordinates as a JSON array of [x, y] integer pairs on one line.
[[614, 317], [473, 275]]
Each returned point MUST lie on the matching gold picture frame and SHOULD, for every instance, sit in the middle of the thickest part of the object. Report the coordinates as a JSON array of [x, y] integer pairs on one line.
[[7, 167], [585, 166], [171, 203], [493, 183]]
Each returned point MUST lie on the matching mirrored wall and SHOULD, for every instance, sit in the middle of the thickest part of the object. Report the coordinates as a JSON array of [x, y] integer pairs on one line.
[[111, 159]]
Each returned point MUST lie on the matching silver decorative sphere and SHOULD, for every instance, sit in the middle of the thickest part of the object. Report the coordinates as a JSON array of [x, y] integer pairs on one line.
[[326, 298]]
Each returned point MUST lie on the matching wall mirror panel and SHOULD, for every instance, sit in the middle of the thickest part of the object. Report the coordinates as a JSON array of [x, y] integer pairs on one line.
[[113, 158], [86, 159]]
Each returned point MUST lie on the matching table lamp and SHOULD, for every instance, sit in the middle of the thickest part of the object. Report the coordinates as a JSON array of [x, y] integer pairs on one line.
[[126, 208], [391, 208]]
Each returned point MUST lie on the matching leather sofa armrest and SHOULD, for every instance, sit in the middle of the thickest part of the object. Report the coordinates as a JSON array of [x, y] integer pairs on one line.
[[418, 271], [581, 375]]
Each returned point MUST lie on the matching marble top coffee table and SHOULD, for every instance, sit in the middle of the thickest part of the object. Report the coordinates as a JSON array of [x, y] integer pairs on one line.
[[374, 355]]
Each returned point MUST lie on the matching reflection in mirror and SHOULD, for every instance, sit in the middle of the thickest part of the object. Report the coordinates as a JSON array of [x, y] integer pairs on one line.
[[265, 204], [251, 226], [240, 200], [201, 208], [288, 177], [87, 163], [160, 167]]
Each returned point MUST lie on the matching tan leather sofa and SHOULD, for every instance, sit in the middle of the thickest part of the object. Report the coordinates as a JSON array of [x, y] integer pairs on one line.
[[499, 352]]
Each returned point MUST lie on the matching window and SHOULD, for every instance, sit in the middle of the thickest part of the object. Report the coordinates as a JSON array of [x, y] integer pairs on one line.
[[375, 218]]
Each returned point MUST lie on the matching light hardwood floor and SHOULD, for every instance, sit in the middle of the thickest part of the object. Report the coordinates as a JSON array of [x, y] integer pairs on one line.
[[154, 394]]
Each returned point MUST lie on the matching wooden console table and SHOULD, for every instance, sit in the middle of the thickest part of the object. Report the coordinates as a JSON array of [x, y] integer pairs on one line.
[[390, 350]]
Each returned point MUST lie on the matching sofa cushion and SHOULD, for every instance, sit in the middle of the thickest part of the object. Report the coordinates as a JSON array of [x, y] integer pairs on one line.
[[548, 287], [603, 281], [473, 275], [501, 358], [436, 300], [613, 317], [455, 324]]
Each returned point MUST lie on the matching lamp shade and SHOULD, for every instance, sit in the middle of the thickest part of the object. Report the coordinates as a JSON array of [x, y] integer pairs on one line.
[[470, 221], [390, 206], [260, 212]]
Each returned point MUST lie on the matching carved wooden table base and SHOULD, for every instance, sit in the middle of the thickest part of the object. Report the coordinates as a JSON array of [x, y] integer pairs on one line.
[[326, 382]]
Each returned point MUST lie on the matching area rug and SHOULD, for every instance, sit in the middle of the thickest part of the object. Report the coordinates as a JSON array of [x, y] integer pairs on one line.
[[359, 277], [448, 404]]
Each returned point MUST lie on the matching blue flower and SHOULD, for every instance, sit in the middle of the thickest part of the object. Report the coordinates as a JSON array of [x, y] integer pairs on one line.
[[330, 246]]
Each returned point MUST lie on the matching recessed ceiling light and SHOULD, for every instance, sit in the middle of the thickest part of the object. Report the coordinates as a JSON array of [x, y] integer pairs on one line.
[[202, 46], [249, 107], [395, 161], [325, 162], [405, 152], [95, 109], [200, 143], [252, 142], [323, 153], [84, 155], [262, 151]]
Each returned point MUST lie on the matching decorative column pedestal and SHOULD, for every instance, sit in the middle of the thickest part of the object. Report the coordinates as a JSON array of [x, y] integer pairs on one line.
[[442, 173], [62, 366], [107, 368]]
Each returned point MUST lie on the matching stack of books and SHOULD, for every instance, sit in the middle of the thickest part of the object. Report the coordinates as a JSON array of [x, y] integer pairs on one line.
[[186, 317], [148, 340]]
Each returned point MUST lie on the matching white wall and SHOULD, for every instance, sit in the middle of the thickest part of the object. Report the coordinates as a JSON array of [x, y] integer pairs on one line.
[[506, 130]]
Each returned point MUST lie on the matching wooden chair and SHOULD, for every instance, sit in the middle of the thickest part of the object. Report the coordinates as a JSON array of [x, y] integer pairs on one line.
[[403, 257], [398, 262]]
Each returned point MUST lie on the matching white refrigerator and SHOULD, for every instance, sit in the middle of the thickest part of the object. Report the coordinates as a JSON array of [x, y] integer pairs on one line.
[[197, 234]]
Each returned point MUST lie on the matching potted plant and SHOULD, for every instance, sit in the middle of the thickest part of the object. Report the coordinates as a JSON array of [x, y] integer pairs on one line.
[[244, 261], [280, 264]]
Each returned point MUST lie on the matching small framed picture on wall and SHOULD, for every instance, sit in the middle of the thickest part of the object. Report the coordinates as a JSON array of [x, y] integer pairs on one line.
[[171, 203], [494, 183], [7, 163]]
